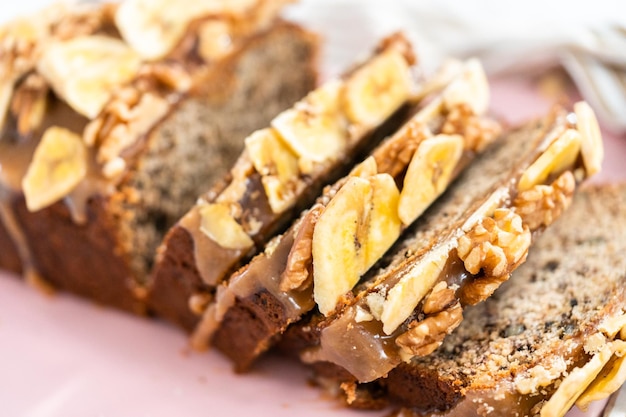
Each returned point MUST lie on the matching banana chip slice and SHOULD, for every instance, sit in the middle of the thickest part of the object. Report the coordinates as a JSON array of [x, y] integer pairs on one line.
[[428, 174], [561, 153], [58, 165], [375, 91], [84, 70], [154, 27], [315, 128]]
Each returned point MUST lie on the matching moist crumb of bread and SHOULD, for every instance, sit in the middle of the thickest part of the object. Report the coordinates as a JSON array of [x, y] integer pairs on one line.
[[202, 139], [573, 280]]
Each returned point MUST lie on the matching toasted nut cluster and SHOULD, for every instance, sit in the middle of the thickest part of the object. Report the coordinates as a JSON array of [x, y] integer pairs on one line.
[[397, 154], [214, 40], [539, 376], [297, 271], [542, 204], [494, 246], [477, 131], [423, 337], [128, 116], [440, 298], [170, 75], [29, 103]]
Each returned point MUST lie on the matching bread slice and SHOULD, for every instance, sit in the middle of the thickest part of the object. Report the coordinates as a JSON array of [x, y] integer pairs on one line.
[[353, 223], [114, 123], [457, 255], [548, 335], [282, 170]]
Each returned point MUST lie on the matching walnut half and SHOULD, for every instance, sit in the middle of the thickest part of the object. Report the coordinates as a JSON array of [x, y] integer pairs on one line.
[[444, 314], [478, 131], [542, 204], [494, 246]]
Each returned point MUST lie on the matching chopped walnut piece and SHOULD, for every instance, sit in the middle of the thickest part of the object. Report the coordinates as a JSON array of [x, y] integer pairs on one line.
[[297, 271], [123, 123], [542, 204], [440, 298], [477, 131], [395, 158], [494, 246], [170, 74], [199, 301], [423, 337], [29, 103]]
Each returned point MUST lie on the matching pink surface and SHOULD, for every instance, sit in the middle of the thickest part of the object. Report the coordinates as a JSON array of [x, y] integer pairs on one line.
[[61, 356]]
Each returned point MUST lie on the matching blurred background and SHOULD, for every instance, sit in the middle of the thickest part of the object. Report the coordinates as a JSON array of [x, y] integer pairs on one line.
[[587, 39]]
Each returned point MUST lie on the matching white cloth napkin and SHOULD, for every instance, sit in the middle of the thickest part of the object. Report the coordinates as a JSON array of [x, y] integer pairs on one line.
[[587, 37]]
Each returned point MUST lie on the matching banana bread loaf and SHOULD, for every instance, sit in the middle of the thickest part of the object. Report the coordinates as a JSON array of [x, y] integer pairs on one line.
[[116, 117], [354, 222], [282, 170], [552, 336]]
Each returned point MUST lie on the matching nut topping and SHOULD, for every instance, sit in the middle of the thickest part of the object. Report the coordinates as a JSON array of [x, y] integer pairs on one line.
[[58, 165], [440, 298], [29, 103], [300, 259], [397, 154], [478, 132], [494, 246], [124, 124], [423, 337], [542, 204]]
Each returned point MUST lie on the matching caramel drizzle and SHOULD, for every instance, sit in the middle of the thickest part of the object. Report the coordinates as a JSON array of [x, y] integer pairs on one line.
[[16, 234], [266, 271], [383, 355]]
